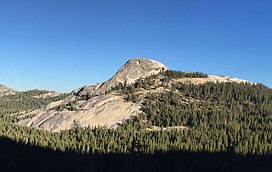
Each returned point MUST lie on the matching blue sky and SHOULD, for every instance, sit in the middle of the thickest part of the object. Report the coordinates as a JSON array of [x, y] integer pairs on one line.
[[64, 44]]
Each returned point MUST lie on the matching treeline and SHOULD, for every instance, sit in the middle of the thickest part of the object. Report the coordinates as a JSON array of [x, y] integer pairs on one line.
[[14, 157], [130, 140], [179, 74]]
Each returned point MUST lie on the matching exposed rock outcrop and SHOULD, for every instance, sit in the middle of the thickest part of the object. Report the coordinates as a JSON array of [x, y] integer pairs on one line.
[[213, 78], [107, 110], [129, 73]]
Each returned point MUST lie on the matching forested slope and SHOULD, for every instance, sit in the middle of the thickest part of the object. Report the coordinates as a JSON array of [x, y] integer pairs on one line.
[[25, 101]]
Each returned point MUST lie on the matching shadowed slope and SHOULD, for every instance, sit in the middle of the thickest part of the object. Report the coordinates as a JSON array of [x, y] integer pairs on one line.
[[18, 157]]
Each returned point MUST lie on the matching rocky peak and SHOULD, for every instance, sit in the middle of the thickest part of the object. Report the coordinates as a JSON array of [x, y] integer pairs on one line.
[[136, 68], [131, 71]]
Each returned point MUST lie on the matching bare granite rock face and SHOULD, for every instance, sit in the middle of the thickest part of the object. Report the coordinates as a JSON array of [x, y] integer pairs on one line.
[[6, 91], [101, 110], [107, 110], [129, 73], [213, 78]]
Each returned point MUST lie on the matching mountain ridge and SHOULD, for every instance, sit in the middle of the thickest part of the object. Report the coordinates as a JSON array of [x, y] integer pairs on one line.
[[132, 70], [104, 105]]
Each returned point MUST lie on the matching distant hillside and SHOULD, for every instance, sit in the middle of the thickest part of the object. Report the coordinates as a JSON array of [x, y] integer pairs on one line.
[[4, 90], [23, 102]]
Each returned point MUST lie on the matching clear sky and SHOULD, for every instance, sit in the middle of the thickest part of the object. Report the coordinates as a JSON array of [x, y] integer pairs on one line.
[[64, 44]]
